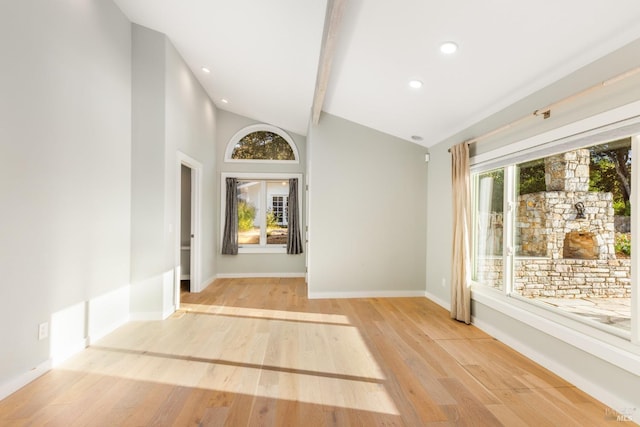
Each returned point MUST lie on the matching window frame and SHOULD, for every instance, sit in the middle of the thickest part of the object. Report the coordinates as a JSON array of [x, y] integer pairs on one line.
[[622, 351], [256, 128], [244, 176]]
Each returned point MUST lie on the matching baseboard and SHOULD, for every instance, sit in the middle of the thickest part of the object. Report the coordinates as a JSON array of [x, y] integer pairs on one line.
[[97, 335], [185, 277], [108, 312], [365, 294], [20, 381], [442, 303], [168, 312], [571, 376], [146, 316], [258, 275], [203, 285]]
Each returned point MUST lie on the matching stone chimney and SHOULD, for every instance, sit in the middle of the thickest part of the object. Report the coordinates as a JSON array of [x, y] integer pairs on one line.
[[568, 171]]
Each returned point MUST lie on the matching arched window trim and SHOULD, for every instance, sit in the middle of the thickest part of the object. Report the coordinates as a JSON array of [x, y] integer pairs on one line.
[[255, 128]]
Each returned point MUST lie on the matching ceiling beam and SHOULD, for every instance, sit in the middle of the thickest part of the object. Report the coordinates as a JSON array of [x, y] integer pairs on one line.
[[333, 19]]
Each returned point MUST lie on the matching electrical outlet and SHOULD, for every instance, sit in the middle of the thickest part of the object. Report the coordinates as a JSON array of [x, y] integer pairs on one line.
[[444, 282], [43, 331]]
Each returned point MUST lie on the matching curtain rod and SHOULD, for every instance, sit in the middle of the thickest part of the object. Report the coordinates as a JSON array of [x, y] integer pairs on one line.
[[546, 111]]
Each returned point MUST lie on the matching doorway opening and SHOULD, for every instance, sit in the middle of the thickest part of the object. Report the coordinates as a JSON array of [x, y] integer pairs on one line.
[[186, 233], [187, 237]]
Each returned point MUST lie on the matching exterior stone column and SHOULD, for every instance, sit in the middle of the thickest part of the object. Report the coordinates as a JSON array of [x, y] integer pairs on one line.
[[568, 171]]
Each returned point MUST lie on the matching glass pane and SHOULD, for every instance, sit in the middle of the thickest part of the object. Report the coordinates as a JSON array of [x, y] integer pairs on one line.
[[573, 232], [531, 240], [249, 213], [277, 195], [263, 145], [488, 225]]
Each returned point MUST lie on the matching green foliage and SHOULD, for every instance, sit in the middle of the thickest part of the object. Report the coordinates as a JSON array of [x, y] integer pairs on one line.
[[610, 171], [622, 208], [272, 221], [531, 177], [623, 243], [246, 215], [263, 145]]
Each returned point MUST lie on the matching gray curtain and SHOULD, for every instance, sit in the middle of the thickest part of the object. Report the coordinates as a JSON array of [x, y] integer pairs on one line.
[[294, 242], [461, 255], [230, 236]]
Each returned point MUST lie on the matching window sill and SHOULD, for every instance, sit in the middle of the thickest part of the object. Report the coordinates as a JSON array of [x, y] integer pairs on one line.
[[615, 350], [262, 250]]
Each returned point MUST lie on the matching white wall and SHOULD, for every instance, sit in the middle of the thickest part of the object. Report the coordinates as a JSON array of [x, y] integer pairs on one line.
[[149, 224], [367, 211], [254, 264], [171, 114], [595, 375], [191, 122], [65, 161]]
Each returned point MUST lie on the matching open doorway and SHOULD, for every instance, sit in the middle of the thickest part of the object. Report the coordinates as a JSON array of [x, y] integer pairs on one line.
[[188, 203], [185, 228]]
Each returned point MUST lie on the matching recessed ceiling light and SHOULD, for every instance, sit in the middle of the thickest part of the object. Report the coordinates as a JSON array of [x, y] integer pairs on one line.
[[417, 137], [448, 48], [416, 84], [224, 101], [206, 70]]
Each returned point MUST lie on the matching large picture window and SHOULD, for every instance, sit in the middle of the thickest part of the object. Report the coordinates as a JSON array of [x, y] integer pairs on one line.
[[556, 231]]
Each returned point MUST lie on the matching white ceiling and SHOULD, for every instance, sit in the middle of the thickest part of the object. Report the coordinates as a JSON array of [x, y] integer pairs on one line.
[[264, 55]]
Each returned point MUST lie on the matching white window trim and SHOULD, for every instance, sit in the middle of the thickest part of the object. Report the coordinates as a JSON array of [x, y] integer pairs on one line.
[[589, 131], [622, 350], [255, 249], [256, 128]]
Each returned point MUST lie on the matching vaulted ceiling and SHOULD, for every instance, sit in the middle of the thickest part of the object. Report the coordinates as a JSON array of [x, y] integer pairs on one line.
[[264, 56]]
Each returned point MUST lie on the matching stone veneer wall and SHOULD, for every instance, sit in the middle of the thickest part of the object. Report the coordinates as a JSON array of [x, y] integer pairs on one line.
[[564, 278]]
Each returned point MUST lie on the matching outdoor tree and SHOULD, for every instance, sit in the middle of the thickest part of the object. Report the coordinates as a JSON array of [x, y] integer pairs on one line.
[[610, 171], [263, 145], [531, 177]]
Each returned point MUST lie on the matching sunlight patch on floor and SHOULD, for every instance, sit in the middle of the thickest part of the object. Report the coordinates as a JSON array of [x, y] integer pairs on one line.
[[247, 351], [314, 388], [266, 314]]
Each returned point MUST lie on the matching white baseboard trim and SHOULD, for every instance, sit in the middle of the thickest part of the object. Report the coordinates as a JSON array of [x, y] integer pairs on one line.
[[185, 277], [257, 275], [571, 376], [146, 316], [442, 303], [203, 285], [168, 312], [20, 381], [69, 351], [365, 294], [97, 335]]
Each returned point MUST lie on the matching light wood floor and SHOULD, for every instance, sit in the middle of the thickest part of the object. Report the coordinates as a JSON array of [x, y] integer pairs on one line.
[[258, 353]]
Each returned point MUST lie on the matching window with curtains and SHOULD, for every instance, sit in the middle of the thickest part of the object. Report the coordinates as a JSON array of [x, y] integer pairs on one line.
[[555, 230], [265, 218]]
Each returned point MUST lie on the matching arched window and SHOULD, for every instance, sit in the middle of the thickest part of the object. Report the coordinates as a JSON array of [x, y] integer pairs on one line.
[[261, 143]]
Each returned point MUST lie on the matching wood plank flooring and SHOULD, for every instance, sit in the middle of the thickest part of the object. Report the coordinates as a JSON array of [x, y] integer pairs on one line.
[[257, 352]]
